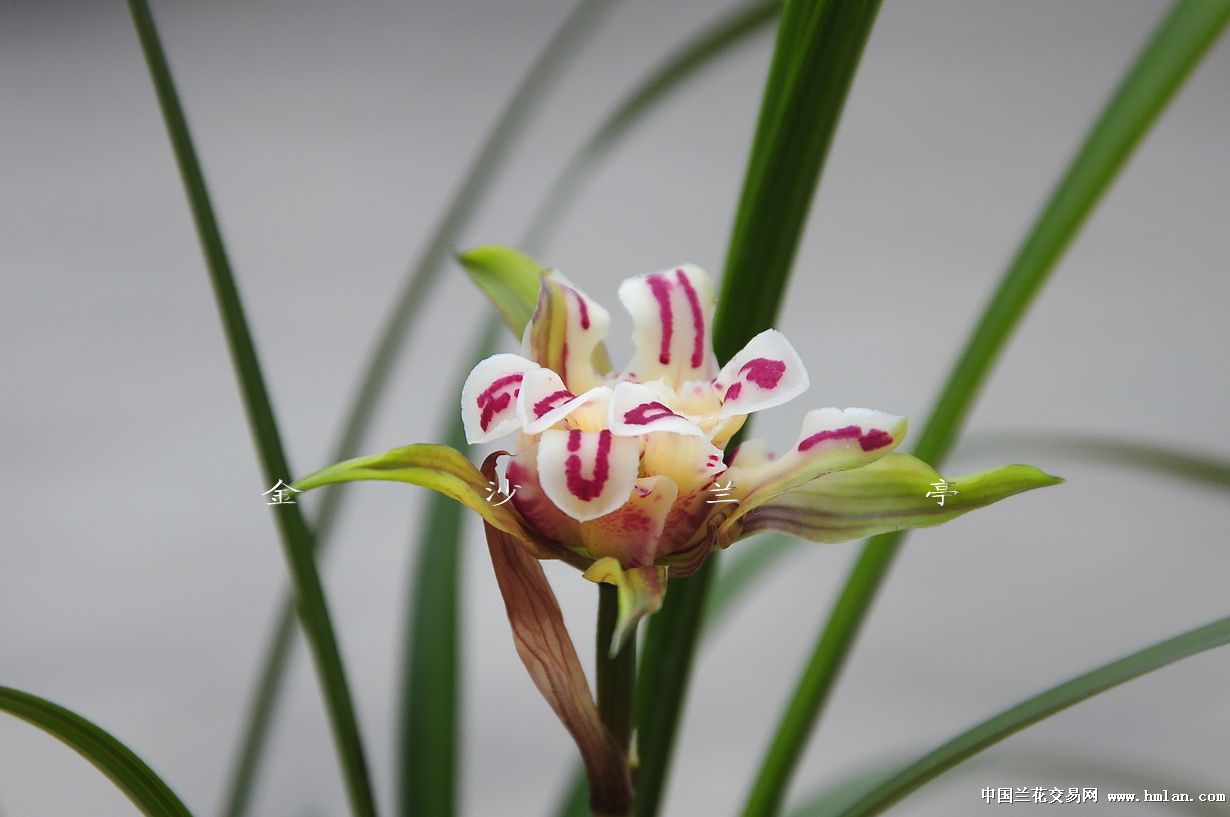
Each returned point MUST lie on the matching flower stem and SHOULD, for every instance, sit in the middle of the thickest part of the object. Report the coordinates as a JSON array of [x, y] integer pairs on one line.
[[616, 675]]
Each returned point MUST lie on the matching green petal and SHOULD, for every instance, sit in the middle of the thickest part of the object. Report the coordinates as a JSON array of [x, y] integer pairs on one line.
[[441, 469], [640, 593], [509, 278], [887, 495]]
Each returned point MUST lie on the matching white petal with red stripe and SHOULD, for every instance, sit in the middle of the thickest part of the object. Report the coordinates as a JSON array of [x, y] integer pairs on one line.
[[565, 332], [638, 409], [587, 474], [545, 401], [489, 397], [765, 373], [671, 312], [832, 440]]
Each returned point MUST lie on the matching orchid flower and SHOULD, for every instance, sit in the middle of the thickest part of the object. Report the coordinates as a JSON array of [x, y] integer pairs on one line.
[[626, 474]]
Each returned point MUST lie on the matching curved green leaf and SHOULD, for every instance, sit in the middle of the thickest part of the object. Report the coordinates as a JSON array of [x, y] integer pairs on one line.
[[509, 126], [1151, 457], [1028, 712], [428, 737], [1173, 51], [716, 40], [817, 52], [128, 772], [1038, 762], [298, 543]]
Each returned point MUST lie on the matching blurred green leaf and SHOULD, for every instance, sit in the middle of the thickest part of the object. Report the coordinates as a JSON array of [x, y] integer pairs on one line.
[[297, 540], [128, 772], [550, 64], [427, 744], [746, 565], [818, 49], [1182, 38], [1029, 712], [1039, 763], [717, 39], [1154, 458]]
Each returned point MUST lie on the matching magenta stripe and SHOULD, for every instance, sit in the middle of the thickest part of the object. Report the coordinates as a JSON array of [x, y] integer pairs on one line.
[[580, 487], [661, 290], [698, 320], [873, 439], [552, 401]]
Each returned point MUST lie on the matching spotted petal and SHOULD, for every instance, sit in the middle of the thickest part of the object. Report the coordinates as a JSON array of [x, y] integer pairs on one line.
[[671, 313], [587, 474], [832, 440], [631, 532], [765, 373], [638, 409], [489, 397], [566, 332]]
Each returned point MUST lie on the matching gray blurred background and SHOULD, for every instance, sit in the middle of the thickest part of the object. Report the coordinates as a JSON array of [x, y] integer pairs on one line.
[[140, 565]]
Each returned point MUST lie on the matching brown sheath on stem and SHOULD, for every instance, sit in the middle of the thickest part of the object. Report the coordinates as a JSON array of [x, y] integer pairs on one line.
[[551, 659]]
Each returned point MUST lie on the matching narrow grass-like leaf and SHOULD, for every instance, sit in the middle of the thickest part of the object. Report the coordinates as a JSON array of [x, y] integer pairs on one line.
[[428, 740], [1037, 762], [1029, 712], [717, 39], [817, 52], [1182, 38], [744, 569], [297, 541], [1101, 449], [511, 123], [128, 772]]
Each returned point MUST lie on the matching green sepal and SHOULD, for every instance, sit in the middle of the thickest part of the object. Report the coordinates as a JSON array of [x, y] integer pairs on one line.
[[509, 278], [441, 469], [890, 494], [641, 590]]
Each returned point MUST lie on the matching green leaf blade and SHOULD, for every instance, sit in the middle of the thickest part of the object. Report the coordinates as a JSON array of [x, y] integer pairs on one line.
[[1032, 710], [817, 53], [121, 765], [429, 718], [1173, 51], [506, 130], [297, 541]]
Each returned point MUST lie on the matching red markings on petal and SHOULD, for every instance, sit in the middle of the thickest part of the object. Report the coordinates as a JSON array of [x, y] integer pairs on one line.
[[580, 487], [495, 398], [873, 439], [764, 372], [876, 438], [646, 413], [584, 308], [552, 401], [661, 289], [698, 320], [733, 392]]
